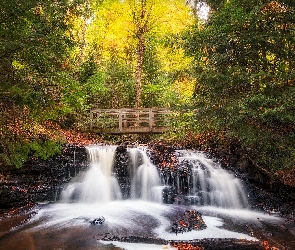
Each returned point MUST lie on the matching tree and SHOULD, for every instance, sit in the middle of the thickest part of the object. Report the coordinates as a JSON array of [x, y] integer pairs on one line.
[[141, 37], [142, 21], [36, 80], [244, 57]]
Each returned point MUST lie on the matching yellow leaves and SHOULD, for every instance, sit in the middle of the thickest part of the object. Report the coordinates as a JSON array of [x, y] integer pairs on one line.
[[38, 10], [110, 30], [173, 59], [184, 88], [113, 30], [271, 57], [246, 24], [274, 7], [17, 65], [173, 17]]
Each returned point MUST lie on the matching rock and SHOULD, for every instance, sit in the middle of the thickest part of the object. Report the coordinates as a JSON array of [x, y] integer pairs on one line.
[[41, 181], [98, 221], [191, 220]]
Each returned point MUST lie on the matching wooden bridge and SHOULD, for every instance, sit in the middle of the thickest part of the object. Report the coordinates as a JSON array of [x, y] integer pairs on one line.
[[130, 120]]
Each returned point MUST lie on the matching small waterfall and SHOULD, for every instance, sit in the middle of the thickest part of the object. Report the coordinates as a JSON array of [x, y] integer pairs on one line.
[[197, 179], [145, 179], [209, 184], [135, 158], [99, 183]]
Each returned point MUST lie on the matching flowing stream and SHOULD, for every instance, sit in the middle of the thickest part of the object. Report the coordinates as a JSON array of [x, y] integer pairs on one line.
[[97, 194]]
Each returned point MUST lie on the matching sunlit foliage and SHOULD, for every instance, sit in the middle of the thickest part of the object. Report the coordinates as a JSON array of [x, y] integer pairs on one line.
[[58, 59], [113, 39]]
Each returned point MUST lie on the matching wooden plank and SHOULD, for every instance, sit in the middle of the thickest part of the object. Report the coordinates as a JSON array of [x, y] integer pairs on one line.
[[131, 120], [133, 130], [130, 110]]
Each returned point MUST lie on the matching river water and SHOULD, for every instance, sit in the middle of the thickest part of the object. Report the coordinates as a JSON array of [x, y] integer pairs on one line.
[[92, 207]]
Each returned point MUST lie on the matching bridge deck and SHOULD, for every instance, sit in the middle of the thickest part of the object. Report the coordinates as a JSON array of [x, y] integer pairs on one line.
[[130, 120]]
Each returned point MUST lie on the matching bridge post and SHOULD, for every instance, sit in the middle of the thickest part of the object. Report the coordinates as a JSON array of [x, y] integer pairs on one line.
[[137, 117], [91, 119], [120, 121], [124, 121], [151, 119]]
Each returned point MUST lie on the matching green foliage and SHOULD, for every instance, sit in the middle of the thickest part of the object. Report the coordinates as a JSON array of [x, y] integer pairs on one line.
[[244, 62], [182, 123], [114, 86], [37, 82], [35, 47], [87, 69], [105, 121], [20, 151], [58, 59]]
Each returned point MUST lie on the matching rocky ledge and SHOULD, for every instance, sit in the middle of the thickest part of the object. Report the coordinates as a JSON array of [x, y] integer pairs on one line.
[[40, 181]]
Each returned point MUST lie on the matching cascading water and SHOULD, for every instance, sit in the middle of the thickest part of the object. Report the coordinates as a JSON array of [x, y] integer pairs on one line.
[[197, 178], [99, 183], [118, 188], [145, 179], [208, 183], [134, 155]]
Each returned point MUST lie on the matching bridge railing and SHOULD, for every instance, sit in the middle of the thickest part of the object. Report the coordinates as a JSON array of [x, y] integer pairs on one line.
[[130, 120]]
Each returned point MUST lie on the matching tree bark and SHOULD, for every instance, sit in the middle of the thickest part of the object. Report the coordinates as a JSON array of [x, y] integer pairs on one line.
[[141, 19], [139, 69]]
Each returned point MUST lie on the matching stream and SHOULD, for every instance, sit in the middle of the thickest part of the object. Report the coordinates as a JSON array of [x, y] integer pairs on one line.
[[141, 206]]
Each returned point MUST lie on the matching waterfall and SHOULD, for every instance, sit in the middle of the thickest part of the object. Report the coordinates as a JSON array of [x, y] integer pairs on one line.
[[119, 197], [145, 179], [197, 180], [135, 158], [99, 183], [209, 184]]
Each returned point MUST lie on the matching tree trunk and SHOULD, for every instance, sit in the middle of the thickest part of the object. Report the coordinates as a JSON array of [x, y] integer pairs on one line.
[[141, 12], [139, 69]]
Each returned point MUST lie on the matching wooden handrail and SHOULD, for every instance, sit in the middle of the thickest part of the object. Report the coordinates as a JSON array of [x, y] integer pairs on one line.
[[130, 119]]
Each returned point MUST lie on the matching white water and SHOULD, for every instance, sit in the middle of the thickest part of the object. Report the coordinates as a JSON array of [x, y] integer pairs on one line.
[[208, 183], [212, 185], [145, 179], [143, 218], [96, 193], [99, 183]]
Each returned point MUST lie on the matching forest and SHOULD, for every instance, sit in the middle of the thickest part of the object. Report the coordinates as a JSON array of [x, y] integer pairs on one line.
[[226, 67]]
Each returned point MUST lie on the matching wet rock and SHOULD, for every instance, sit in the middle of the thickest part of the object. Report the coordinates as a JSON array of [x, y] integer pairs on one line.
[[191, 220], [218, 244], [98, 221], [122, 170], [134, 239], [41, 181], [207, 244], [169, 195], [162, 155]]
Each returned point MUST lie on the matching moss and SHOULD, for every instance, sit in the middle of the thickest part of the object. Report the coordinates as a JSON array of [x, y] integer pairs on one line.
[[18, 152]]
